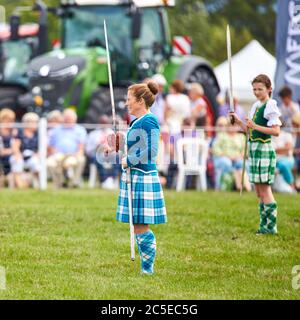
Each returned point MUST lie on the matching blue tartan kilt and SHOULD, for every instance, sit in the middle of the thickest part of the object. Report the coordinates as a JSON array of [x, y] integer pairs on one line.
[[148, 202]]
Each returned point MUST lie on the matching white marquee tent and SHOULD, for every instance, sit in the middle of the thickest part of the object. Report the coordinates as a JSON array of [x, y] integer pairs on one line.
[[252, 60]]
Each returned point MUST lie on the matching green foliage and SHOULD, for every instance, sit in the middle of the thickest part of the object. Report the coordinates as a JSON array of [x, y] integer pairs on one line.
[[11, 5], [204, 21], [258, 17], [67, 245], [185, 20]]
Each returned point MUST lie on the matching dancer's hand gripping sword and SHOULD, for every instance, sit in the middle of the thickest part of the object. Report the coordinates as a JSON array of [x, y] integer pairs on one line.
[[231, 103], [128, 175]]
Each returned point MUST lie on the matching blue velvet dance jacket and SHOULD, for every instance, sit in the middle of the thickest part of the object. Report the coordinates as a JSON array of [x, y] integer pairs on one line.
[[142, 143]]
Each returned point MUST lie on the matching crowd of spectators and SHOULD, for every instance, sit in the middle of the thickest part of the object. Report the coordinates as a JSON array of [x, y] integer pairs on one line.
[[182, 111]]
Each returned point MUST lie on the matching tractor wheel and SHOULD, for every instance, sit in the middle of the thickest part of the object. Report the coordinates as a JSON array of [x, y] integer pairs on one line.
[[100, 104], [211, 90], [9, 99]]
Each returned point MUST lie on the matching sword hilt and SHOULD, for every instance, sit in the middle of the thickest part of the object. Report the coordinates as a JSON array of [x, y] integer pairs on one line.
[[232, 119], [117, 143]]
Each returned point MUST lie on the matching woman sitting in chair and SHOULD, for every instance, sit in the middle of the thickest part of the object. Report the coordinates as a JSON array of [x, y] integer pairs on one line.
[[227, 151]]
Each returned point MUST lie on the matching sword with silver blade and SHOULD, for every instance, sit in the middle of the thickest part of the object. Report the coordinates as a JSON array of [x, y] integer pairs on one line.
[[111, 89], [231, 104], [128, 175]]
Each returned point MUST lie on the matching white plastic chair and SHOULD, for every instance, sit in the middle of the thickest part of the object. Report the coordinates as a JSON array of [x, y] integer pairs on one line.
[[162, 162], [192, 156]]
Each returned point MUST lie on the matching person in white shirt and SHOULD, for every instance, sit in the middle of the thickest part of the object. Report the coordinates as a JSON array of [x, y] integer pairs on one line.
[[288, 107], [198, 104], [284, 145], [158, 107], [177, 107], [296, 134]]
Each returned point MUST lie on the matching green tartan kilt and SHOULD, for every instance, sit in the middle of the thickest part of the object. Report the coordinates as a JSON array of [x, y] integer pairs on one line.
[[262, 162]]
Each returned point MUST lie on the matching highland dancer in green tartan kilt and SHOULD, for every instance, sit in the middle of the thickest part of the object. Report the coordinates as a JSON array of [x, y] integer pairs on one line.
[[263, 123]]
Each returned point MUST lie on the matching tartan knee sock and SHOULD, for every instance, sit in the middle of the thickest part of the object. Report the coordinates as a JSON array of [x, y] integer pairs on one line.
[[271, 213], [147, 248], [263, 218]]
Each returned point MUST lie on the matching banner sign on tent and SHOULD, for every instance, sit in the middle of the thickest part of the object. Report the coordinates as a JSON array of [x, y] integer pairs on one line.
[[288, 46]]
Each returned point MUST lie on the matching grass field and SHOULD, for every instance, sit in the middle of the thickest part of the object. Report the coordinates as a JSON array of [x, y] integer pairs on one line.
[[67, 245]]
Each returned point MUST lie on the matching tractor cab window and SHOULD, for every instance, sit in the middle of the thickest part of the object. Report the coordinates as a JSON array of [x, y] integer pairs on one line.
[[16, 56], [151, 39], [83, 26]]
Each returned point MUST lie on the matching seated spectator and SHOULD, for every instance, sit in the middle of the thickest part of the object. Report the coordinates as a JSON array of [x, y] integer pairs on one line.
[[54, 119], [296, 126], [66, 158], [288, 107], [225, 108], [7, 135], [158, 108], [283, 145], [108, 166], [201, 109], [228, 153], [198, 105], [25, 157], [177, 107]]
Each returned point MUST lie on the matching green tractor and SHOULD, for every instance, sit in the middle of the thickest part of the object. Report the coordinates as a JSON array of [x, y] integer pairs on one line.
[[18, 45], [75, 75]]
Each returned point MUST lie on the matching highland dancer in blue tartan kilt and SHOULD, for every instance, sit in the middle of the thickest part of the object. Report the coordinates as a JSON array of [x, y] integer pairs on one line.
[[148, 203], [263, 123]]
